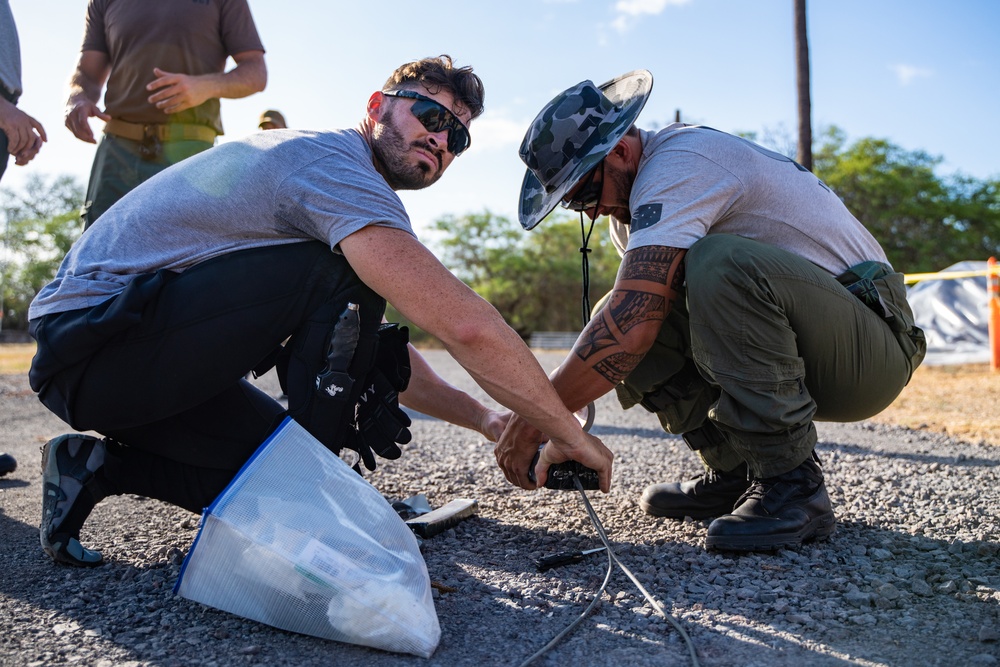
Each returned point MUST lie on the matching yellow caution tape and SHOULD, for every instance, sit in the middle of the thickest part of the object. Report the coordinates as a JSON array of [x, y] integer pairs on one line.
[[910, 278]]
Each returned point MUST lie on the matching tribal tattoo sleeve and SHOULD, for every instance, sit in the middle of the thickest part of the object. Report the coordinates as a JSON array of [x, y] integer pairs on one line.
[[649, 278]]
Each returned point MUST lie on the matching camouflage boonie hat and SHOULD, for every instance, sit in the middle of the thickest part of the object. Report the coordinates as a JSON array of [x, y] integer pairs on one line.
[[574, 132]]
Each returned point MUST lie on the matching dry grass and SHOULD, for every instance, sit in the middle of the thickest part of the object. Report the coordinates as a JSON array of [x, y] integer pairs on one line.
[[15, 358], [958, 400]]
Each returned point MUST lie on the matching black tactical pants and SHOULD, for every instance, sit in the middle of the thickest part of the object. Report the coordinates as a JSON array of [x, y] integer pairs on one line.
[[161, 368]]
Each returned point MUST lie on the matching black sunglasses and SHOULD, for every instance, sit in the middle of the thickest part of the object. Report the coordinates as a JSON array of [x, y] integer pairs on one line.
[[588, 196], [436, 117]]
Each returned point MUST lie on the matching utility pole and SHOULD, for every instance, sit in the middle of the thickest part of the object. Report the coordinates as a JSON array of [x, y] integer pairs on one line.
[[804, 155]]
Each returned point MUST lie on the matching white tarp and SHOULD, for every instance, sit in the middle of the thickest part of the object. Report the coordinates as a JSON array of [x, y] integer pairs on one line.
[[954, 313]]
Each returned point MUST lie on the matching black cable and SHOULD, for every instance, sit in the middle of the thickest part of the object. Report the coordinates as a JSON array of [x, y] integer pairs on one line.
[[612, 556], [612, 561], [579, 619], [598, 526]]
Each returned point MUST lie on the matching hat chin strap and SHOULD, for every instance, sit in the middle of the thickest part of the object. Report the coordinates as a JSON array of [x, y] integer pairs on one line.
[[585, 251]]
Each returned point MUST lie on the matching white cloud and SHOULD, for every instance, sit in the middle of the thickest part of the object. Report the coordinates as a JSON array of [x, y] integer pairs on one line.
[[637, 7], [628, 12], [905, 74]]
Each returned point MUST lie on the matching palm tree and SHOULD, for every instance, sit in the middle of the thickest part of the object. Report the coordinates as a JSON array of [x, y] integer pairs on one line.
[[802, 85]]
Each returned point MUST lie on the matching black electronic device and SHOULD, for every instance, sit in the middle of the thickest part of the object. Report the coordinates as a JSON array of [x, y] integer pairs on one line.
[[561, 474]]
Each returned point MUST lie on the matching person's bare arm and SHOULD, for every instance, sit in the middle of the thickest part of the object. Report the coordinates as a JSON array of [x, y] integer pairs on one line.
[[608, 349], [85, 87], [174, 91], [24, 134], [404, 272], [430, 394]]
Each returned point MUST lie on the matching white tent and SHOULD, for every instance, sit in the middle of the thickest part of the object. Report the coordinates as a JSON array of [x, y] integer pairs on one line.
[[954, 313]]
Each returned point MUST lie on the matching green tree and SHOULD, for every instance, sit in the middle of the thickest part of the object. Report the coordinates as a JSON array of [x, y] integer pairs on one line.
[[40, 225], [533, 278], [923, 221]]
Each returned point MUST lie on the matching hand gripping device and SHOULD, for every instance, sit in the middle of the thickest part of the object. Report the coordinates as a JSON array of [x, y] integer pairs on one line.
[[561, 474]]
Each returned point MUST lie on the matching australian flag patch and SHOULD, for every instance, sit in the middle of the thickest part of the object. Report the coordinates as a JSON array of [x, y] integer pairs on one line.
[[646, 216]]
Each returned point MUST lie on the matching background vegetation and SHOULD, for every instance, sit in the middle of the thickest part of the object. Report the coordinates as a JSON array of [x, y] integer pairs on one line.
[[40, 224], [924, 221]]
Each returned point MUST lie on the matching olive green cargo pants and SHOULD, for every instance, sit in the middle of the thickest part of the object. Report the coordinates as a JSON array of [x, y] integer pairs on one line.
[[764, 344]]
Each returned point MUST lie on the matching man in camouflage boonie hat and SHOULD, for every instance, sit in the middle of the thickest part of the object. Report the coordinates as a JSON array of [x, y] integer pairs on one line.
[[572, 134], [749, 304]]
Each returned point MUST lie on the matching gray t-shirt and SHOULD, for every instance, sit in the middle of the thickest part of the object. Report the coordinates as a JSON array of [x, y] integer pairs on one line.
[[10, 52], [272, 188], [694, 181]]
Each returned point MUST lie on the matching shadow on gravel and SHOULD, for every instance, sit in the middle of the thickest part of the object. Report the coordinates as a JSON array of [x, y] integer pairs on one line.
[[127, 613], [961, 460], [858, 596], [855, 599]]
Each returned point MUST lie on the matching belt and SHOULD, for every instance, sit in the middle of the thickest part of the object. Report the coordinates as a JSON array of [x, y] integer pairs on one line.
[[161, 131]]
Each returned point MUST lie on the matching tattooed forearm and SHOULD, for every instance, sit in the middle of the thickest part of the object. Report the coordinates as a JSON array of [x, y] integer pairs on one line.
[[616, 367], [614, 343], [598, 336], [631, 308], [649, 263], [677, 283]]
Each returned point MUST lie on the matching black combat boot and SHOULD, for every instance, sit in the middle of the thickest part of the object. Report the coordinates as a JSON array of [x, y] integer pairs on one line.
[[776, 512], [712, 494]]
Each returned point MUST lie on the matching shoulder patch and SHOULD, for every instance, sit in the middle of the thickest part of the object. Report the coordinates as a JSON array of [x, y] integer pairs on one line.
[[646, 216]]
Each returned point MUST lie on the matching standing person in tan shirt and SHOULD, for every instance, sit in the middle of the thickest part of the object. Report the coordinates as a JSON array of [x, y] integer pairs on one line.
[[164, 66]]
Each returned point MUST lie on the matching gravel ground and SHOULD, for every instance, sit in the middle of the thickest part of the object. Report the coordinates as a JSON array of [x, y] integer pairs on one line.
[[911, 577]]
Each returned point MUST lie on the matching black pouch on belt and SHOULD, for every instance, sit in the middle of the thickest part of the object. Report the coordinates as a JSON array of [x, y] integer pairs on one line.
[[884, 291], [343, 385], [318, 370]]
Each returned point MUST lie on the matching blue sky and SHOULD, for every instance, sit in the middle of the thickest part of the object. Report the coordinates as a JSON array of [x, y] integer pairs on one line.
[[923, 74]]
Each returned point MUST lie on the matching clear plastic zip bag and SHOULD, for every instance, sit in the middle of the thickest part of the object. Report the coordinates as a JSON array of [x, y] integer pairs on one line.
[[301, 542]]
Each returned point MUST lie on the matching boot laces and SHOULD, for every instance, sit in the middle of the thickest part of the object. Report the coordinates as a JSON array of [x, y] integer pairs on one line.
[[801, 480], [758, 490]]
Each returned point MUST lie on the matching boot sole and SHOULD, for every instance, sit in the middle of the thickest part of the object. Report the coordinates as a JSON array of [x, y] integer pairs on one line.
[[818, 529]]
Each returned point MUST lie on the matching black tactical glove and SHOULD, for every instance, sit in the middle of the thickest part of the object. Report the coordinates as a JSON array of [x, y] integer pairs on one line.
[[381, 424], [393, 357]]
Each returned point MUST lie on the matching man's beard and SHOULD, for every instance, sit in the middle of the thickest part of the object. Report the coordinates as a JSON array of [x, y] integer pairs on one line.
[[391, 151], [622, 183]]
